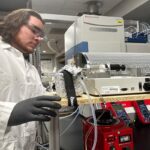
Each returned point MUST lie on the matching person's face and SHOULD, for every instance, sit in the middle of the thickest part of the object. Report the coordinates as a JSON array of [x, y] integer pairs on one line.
[[29, 36]]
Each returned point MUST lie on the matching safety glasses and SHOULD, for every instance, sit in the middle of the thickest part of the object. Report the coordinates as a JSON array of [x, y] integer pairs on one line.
[[36, 30]]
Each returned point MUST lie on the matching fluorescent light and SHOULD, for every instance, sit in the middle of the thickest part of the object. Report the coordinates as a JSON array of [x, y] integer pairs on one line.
[[44, 51]]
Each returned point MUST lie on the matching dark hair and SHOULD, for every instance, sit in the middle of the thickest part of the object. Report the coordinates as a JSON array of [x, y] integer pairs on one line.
[[13, 21]]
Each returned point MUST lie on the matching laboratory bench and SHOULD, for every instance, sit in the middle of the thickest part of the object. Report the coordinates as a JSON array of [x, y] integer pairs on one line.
[[73, 137]]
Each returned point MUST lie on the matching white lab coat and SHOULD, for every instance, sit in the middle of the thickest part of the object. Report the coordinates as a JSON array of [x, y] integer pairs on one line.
[[19, 80]]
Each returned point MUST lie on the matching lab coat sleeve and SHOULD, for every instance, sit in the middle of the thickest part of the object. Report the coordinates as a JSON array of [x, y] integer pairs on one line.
[[5, 111], [6, 106]]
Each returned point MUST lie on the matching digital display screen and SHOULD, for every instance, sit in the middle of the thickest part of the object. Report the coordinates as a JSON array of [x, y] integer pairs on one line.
[[125, 138]]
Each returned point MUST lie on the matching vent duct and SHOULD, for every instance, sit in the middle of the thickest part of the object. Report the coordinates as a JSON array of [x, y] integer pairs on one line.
[[93, 8]]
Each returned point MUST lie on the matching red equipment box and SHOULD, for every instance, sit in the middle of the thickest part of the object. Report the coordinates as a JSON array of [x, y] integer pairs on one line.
[[116, 136], [142, 111]]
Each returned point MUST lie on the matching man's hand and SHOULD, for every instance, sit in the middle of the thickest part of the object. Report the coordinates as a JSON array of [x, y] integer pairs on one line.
[[34, 109]]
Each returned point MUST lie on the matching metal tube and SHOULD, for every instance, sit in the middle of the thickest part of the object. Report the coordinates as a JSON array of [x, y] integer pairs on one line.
[[54, 140]]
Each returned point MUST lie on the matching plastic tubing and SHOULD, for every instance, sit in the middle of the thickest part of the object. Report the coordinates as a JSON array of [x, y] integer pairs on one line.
[[93, 114], [70, 124]]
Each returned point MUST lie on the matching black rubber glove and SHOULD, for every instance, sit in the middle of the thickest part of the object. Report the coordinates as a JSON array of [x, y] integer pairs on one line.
[[34, 109]]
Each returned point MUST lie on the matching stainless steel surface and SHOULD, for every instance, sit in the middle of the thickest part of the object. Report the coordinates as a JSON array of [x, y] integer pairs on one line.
[[54, 139], [130, 73], [131, 59]]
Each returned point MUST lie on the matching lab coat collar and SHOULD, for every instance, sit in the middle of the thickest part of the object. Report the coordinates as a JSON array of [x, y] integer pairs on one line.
[[4, 45], [7, 46]]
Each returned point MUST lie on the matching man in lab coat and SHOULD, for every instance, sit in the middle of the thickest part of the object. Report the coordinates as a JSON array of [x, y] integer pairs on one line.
[[21, 90]]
